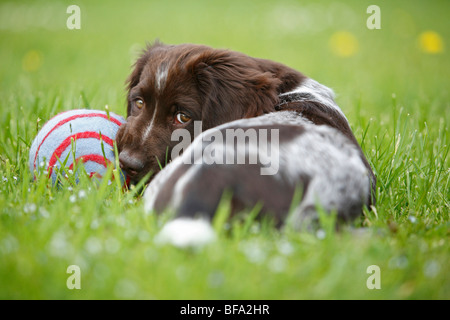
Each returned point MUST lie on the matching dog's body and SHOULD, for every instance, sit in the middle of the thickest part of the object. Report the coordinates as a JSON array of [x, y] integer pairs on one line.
[[174, 86]]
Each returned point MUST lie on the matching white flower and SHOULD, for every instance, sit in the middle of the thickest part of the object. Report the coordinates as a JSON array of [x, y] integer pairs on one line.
[[321, 234], [186, 232], [82, 194], [29, 207]]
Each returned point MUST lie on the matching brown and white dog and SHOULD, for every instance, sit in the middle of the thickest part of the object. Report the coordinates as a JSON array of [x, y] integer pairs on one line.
[[178, 86]]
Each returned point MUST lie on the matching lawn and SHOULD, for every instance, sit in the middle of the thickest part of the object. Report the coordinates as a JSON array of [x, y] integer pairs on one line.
[[392, 83]]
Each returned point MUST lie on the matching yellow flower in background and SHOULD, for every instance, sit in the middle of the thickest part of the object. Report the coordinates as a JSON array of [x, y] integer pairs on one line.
[[343, 44], [431, 42], [32, 61]]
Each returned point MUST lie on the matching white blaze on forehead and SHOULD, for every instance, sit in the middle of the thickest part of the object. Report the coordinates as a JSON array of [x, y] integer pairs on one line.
[[160, 81], [161, 76], [149, 128]]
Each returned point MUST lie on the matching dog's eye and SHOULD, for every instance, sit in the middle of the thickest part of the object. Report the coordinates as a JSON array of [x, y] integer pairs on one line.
[[139, 103], [181, 118]]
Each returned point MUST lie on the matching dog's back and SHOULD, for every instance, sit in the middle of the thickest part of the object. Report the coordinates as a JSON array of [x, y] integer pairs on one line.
[[264, 160]]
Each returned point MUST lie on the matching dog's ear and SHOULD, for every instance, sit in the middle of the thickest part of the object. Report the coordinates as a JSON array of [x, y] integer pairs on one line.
[[234, 86], [289, 78]]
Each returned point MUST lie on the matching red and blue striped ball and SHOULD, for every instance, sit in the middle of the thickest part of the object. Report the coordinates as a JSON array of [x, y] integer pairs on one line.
[[81, 135]]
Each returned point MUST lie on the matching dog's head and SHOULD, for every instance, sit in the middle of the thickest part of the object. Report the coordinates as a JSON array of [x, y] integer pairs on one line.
[[172, 86]]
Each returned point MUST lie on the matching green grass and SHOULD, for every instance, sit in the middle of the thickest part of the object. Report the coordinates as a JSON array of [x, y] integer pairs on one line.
[[394, 94]]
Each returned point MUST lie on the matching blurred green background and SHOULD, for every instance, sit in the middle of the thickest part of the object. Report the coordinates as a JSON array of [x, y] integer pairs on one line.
[[327, 40], [392, 84]]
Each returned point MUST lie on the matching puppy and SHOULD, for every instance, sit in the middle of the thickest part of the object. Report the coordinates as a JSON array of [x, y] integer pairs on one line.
[[174, 87]]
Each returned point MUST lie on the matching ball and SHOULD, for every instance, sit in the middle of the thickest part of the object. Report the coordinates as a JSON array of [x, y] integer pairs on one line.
[[74, 136]]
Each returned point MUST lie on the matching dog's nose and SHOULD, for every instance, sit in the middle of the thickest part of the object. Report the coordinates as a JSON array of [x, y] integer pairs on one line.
[[132, 165]]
